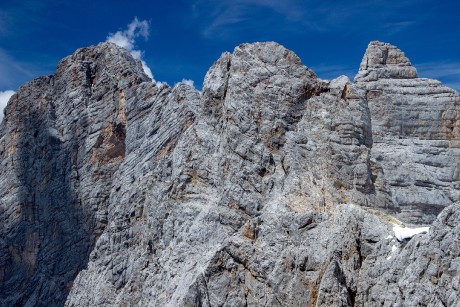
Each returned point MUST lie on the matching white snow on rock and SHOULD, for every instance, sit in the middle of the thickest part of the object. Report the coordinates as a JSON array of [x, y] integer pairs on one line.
[[393, 250], [403, 233]]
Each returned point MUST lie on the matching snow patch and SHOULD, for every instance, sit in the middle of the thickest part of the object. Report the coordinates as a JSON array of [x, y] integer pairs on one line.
[[404, 233], [393, 250]]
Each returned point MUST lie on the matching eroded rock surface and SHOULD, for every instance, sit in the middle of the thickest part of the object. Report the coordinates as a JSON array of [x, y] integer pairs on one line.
[[62, 140], [416, 132], [116, 191]]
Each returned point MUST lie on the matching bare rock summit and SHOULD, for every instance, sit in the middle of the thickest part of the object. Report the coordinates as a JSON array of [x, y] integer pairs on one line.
[[270, 187]]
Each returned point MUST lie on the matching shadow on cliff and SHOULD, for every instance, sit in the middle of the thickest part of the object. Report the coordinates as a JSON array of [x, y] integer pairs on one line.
[[51, 242]]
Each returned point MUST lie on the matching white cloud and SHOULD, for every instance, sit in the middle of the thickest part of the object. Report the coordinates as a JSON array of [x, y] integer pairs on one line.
[[189, 82], [127, 39], [4, 97]]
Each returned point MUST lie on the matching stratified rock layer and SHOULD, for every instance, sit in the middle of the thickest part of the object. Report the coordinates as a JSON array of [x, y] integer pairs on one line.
[[62, 140], [116, 191], [416, 133]]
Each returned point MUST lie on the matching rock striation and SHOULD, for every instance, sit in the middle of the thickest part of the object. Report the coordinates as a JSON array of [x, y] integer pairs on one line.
[[270, 187], [416, 133]]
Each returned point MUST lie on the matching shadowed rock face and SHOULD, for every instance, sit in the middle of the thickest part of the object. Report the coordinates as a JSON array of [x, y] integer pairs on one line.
[[118, 191], [62, 140]]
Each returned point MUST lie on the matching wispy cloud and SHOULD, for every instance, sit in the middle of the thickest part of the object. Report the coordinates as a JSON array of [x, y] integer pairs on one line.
[[446, 72], [13, 72], [4, 17], [4, 97], [219, 19], [245, 13], [439, 69], [17, 16], [395, 27], [127, 39]]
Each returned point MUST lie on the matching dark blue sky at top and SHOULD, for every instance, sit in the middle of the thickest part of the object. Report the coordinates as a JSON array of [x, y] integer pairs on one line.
[[186, 37]]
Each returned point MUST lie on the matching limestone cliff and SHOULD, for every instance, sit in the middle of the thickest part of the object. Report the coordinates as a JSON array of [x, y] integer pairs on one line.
[[270, 187], [416, 132]]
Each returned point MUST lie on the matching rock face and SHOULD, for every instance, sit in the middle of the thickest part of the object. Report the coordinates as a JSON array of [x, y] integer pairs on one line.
[[270, 187], [62, 140], [416, 133]]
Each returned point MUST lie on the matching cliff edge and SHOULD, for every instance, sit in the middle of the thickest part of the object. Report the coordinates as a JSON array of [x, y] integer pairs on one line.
[[270, 187]]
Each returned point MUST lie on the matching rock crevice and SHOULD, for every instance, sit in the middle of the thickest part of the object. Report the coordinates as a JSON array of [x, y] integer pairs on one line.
[[270, 187]]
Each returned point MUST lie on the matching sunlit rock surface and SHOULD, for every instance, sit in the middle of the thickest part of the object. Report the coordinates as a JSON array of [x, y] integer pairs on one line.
[[271, 187]]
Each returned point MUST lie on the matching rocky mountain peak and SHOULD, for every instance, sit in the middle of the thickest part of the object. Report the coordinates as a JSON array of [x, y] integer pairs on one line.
[[270, 187], [256, 63], [384, 61]]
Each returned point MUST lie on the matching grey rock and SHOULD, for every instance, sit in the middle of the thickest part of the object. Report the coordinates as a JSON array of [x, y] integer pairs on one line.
[[63, 137], [384, 61], [270, 187], [423, 271], [416, 133]]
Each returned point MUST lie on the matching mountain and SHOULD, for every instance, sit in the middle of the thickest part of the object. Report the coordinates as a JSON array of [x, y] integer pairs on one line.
[[270, 187]]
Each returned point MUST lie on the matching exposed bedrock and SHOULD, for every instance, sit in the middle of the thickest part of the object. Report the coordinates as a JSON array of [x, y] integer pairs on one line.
[[270, 187]]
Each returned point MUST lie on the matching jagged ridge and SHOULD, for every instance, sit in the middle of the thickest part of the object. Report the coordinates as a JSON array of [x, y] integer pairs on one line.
[[118, 191]]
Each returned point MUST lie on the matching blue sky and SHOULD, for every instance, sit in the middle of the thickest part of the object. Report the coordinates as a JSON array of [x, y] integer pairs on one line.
[[181, 39]]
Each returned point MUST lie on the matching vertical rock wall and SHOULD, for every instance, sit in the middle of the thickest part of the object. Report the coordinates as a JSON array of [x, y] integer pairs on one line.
[[416, 132], [63, 138], [270, 187]]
